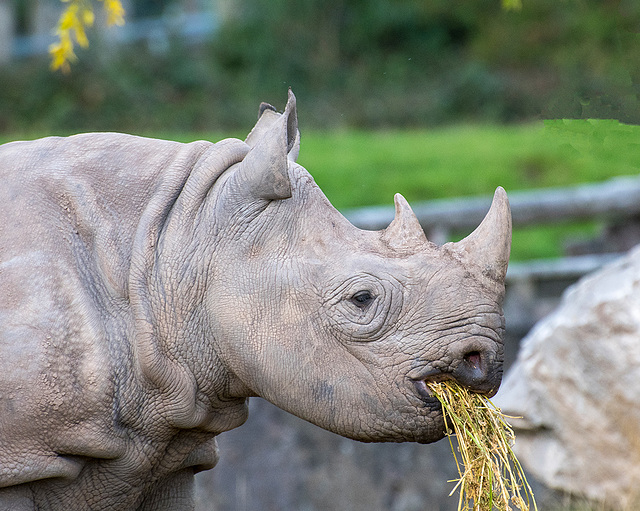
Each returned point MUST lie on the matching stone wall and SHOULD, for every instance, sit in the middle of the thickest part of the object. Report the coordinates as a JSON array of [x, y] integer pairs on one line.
[[576, 383]]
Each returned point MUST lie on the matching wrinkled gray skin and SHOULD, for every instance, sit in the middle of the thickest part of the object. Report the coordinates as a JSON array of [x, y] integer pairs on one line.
[[148, 288]]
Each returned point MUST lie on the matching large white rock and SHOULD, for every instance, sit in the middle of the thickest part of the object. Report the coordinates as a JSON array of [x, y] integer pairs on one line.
[[576, 384]]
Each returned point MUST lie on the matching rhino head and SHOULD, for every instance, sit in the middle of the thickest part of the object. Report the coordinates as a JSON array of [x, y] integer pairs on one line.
[[340, 326]]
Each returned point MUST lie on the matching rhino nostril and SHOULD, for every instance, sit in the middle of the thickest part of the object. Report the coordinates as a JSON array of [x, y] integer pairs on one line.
[[479, 371], [473, 359]]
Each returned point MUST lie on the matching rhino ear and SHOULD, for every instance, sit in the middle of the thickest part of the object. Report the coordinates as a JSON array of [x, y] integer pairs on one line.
[[405, 231], [267, 116], [265, 170], [490, 244], [293, 142]]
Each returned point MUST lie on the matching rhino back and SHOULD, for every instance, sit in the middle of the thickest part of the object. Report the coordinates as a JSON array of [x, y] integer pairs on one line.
[[69, 212], [69, 197]]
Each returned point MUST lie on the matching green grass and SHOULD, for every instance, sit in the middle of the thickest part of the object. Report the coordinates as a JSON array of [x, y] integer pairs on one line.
[[358, 168]]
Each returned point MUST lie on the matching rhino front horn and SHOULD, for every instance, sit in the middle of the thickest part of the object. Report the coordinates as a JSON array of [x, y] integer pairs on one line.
[[489, 245], [405, 231]]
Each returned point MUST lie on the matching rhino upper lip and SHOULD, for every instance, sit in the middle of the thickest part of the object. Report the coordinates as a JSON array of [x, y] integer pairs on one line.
[[422, 376]]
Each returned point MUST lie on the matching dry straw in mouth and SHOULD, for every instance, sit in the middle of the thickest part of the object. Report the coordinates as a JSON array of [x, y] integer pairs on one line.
[[490, 475]]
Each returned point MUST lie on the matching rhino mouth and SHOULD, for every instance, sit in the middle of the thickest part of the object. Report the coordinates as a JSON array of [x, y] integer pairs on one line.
[[423, 377], [479, 371], [422, 389]]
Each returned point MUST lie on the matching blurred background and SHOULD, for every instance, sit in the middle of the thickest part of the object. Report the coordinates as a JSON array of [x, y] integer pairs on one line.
[[201, 65], [436, 99]]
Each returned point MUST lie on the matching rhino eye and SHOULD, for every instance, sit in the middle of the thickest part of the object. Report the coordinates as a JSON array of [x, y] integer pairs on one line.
[[362, 299], [363, 307]]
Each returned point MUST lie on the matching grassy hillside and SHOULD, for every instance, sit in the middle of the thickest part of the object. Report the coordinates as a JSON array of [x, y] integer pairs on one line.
[[359, 168]]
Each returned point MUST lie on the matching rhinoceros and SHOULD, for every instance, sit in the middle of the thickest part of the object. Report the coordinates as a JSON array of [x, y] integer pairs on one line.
[[148, 288]]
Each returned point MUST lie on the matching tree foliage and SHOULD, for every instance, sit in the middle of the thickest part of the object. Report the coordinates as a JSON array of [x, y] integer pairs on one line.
[[352, 63], [76, 17]]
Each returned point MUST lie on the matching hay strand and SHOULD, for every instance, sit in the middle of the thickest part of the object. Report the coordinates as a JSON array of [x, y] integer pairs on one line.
[[491, 477]]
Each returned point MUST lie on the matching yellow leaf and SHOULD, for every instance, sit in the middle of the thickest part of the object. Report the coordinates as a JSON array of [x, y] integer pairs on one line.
[[88, 17], [115, 12], [81, 36], [62, 53], [77, 15]]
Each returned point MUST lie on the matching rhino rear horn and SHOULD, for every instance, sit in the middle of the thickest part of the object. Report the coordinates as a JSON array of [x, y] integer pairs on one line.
[[489, 245], [405, 231], [273, 142]]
